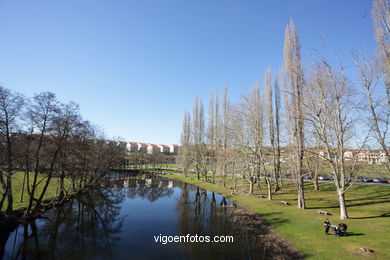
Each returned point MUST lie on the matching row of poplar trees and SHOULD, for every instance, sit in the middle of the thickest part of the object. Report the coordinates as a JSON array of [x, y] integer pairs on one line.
[[52, 146], [319, 119]]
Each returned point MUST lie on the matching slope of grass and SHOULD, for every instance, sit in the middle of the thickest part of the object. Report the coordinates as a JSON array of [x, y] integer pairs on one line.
[[17, 184], [368, 209]]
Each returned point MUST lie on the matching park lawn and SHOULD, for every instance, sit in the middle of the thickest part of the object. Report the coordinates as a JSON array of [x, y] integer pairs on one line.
[[361, 169], [371, 170], [17, 183], [368, 209]]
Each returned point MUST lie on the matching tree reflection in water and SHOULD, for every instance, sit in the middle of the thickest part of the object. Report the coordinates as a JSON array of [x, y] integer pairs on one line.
[[85, 227], [151, 189], [201, 213]]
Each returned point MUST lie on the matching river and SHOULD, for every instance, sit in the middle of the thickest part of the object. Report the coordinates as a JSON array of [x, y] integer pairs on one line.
[[134, 218]]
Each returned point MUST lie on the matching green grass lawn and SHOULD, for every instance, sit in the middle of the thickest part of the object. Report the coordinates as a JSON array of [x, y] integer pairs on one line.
[[368, 209], [17, 183], [361, 169]]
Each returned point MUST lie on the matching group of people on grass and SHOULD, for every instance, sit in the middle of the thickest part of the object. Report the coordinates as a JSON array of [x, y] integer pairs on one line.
[[339, 230]]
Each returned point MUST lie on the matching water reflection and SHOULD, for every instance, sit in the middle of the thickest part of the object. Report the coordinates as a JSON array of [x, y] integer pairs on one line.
[[150, 189], [83, 228], [200, 212], [120, 219]]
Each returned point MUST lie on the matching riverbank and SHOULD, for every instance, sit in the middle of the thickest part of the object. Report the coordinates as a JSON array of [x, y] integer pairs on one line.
[[368, 225], [20, 201]]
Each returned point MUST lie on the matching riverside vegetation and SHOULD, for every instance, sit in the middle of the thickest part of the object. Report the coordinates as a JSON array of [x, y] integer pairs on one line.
[[48, 152]]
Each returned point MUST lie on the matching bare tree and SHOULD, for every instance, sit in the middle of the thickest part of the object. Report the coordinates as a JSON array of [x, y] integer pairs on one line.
[[224, 132], [381, 19], [273, 110], [40, 115], [185, 151], [277, 134], [271, 128], [312, 159], [248, 139], [199, 146], [65, 125], [217, 132], [329, 108], [377, 79], [48, 140], [195, 136], [378, 104], [211, 141], [292, 67], [11, 105]]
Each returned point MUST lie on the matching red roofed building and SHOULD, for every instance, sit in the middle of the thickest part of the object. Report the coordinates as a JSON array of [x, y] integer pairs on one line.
[[153, 149], [134, 147], [142, 147], [174, 148], [164, 148]]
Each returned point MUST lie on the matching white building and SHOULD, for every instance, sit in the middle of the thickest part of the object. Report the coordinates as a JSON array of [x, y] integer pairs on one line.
[[152, 149], [173, 148]]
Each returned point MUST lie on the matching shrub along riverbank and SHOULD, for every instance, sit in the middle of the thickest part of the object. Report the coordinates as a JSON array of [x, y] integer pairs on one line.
[[368, 225]]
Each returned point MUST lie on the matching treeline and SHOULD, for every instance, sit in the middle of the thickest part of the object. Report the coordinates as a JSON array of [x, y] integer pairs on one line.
[[52, 145], [314, 112]]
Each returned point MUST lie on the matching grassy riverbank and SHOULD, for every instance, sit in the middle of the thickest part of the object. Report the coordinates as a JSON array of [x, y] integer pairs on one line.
[[17, 182], [368, 226]]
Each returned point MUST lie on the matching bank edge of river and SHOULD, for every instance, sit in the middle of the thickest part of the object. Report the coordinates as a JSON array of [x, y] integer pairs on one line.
[[17, 216]]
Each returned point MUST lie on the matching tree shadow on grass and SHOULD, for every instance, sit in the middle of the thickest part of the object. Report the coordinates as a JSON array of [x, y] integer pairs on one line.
[[268, 214], [351, 204], [379, 197], [384, 215], [277, 221], [273, 221]]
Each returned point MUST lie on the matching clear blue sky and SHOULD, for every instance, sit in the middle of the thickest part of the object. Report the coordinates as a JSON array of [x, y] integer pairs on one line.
[[135, 66]]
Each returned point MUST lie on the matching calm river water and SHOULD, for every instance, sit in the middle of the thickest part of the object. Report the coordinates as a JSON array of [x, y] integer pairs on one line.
[[122, 219]]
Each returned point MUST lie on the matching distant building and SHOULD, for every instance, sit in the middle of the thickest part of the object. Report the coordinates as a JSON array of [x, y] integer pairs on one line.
[[152, 149], [164, 148], [174, 149], [383, 158], [121, 145], [134, 147], [351, 154], [330, 154], [142, 147], [369, 156]]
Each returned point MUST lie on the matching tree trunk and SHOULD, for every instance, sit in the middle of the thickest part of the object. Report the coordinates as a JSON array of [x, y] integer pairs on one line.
[[269, 189], [10, 199], [251, 187], [224, 174], [62, 187], [213, 176], [343, 208], [315, 181], [301, 194]]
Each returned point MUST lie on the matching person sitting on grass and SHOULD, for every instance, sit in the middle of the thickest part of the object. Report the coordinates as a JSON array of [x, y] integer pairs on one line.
[[327, 226], [335, 230], [343, 229]]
